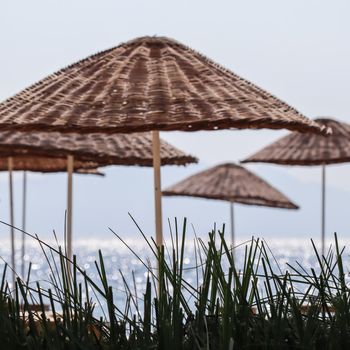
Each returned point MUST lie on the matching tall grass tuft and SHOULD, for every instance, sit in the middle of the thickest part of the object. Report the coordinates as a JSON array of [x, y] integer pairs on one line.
[[255, 305]]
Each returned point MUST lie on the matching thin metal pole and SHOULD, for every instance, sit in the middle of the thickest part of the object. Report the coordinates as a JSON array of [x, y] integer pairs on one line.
[[323, 214], [157, 187], [13, 261], [70, 166], [24, 214], [232, 225]]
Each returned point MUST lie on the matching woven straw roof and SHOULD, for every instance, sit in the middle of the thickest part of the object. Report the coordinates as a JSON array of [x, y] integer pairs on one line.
[[116, 149], [46, 164], [233, 183], [150, 83], [308, 149]]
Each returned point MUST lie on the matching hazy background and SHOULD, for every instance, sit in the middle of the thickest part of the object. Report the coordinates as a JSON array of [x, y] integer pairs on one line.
[[298, 50]]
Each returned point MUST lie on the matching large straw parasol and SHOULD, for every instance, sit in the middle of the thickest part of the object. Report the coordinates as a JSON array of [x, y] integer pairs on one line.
[[150, 83], [104, 149], [232, 183], [11, 162], [40, 164], [116, 149], [309, 150]]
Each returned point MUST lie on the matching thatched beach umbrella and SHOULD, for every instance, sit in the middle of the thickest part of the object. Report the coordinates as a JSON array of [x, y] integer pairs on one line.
[[310, 150], [148, 84], [100, 148], [116, 149], [10, 162], [41, 164], [232, 183]]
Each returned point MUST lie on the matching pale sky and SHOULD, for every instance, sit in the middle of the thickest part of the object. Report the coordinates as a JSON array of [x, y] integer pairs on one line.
[[298, 50]]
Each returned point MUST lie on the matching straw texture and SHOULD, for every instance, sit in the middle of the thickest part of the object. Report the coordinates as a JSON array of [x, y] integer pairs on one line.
[[46, 165], [233, 183], [90, 172], [150, 83], [307, 149], [114, 149]]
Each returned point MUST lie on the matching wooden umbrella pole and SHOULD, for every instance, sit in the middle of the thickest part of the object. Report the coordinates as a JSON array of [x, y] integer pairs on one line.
[[157, 187], [323, 214], [157, 194], [13, 261], [24, 214], [70, 167], [232, 225]]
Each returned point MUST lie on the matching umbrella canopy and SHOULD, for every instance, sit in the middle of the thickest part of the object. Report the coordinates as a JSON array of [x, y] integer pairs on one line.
[[150, 83], [46, 164], [232, 183], [114, 149], [308, 149]]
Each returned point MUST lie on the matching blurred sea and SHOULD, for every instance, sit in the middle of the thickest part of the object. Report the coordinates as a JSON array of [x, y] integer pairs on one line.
[[121, 264]]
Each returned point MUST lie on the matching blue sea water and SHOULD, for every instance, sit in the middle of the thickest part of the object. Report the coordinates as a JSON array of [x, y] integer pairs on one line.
[[124, 266]]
